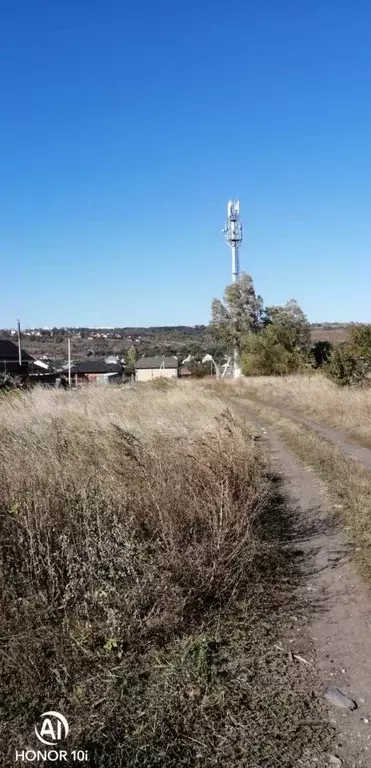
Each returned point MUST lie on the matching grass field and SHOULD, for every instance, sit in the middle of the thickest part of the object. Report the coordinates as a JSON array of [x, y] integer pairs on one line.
[[145, 575], [317, 397]]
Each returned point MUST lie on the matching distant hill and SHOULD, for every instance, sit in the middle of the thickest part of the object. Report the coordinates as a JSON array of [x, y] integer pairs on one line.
[[100, 342], [171, 340]]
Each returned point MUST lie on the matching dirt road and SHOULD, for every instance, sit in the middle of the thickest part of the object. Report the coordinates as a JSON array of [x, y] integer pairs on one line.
[[348, 446], [337, 632]]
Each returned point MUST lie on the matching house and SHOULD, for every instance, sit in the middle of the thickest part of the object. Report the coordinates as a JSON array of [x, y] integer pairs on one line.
[[97, 372], [9, 359], [148, 368]]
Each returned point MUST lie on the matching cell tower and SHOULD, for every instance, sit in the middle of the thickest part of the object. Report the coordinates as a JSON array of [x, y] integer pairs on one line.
[[233, 236]]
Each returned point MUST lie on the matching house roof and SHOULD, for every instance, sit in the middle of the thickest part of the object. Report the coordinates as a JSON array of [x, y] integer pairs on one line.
[[157, 362], [9, 352], [95, 366]]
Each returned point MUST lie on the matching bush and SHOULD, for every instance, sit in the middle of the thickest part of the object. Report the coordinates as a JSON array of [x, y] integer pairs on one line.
[[359, 337], [265, 355], [161, 383], [200, 370], [344, 368], [9, 382], [320, 353]]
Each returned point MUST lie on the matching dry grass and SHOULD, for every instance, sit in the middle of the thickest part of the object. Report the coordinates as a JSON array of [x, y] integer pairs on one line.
[[317, 397], [348, 483], [140, 548], [335, 335]]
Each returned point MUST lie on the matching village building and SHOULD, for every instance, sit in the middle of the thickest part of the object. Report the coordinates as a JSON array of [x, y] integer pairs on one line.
[[148, 368]]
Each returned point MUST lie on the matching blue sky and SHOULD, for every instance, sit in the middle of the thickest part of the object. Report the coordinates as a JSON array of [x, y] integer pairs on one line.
[[126, 127]]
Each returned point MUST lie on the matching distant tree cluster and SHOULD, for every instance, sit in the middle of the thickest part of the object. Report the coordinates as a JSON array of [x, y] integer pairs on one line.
[[277, 340], [269, 340]]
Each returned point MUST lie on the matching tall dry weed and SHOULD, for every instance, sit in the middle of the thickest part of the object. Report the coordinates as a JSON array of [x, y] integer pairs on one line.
[[319, 398], [131, 526]]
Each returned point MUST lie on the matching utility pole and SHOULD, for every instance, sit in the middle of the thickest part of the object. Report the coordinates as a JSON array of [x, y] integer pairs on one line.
[[69, 361], [19, 345]]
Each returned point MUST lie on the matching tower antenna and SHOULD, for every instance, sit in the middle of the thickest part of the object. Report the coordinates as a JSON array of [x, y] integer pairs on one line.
[[233, 235]]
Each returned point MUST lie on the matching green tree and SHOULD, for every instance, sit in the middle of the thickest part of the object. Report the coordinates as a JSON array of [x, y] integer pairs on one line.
[[350, 363], [359, 339], [241, 312], [265, 355], [291, 324], [320, 353], [131, 357], [344, 368], [200, 369], [281, 345]]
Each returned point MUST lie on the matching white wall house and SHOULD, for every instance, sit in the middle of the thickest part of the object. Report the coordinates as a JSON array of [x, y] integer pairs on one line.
[[148, 368]]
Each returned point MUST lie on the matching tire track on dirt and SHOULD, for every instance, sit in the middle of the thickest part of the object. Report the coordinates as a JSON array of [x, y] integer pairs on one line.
[[333, 434], [338, 603]]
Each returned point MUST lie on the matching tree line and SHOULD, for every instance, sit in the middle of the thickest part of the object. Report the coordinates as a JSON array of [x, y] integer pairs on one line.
[[276, 340]]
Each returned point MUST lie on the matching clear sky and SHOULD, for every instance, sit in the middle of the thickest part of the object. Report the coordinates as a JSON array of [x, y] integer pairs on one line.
[[125, 128]]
